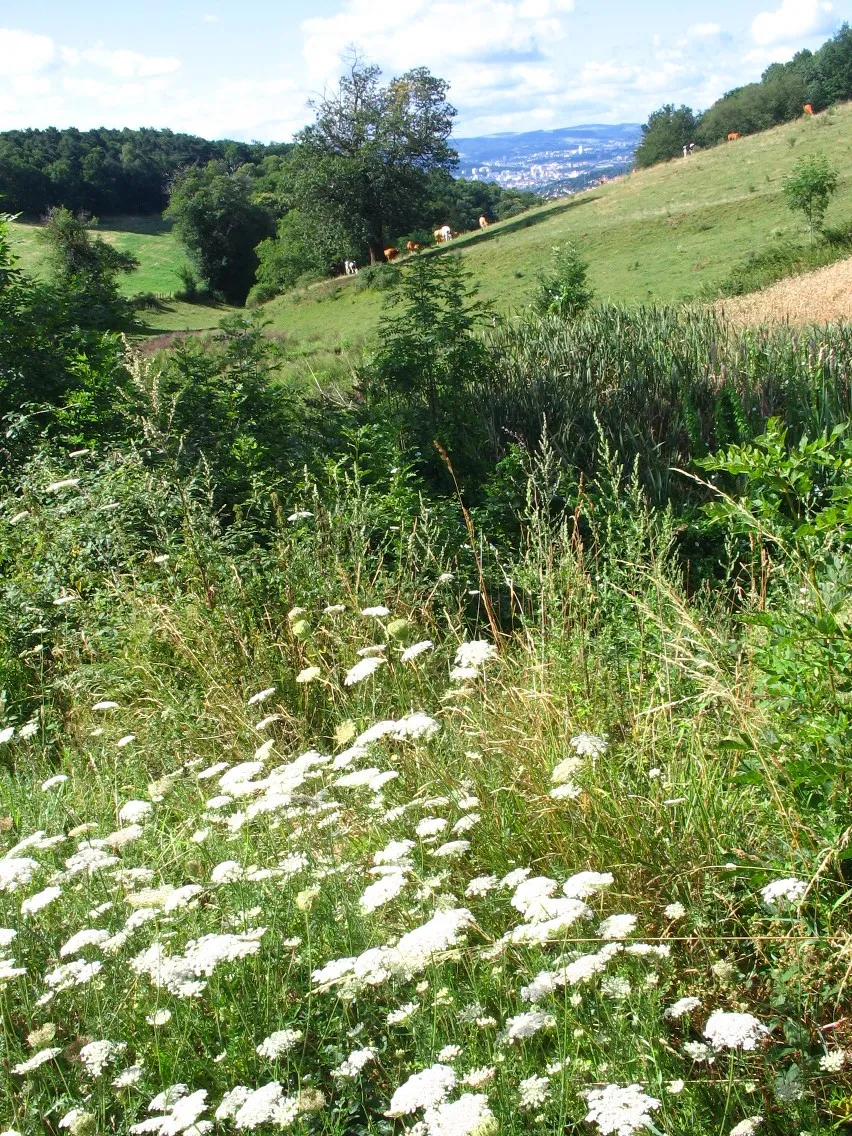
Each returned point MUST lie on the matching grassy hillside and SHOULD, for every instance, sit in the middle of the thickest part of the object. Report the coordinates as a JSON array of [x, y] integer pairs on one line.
[[662, 234], [151, 240]]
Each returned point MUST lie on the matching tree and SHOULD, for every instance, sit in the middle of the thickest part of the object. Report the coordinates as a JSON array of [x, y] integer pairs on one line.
[[564, 289], [427, 349], [665, 134], [220, 225], [808, 189], [364, 163], [86, 271]]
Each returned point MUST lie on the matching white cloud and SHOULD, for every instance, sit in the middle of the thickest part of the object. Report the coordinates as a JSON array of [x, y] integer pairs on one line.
[[794, 20], [122, 63], [704, 31], [209, 18], [24, 53]]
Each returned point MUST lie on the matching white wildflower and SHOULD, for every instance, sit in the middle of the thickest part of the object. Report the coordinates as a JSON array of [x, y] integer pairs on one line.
[[479, 1076], [617, 926], [281, 1041], [416, 649], [430, 827], [422, 1090], [833, 1062], [382, 892], [681, 1006], [135, 812], [308, 674], [40, 900], [583, 884], [534, 1092], [527, 1024], [698, 1051], [126, 740], [52, 782], [355, 1062], [128, 1078], [97, 1055], [615, 987], [88, 937], [728, 1030], [377, 612], [300, 515], [786, 891], [105, 704], [480, 885], [621, 1109], [475, 653], [68, 483], [674, 911], [568, 791], [747, 1127], [588, 745], [37, 1059], [452, 848], [261, 696], [16, 872], [566, 769], [363, 669], [159, 1018], [463, 1117]]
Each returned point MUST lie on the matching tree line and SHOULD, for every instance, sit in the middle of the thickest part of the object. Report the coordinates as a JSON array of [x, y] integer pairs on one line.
[[816, 78], [106, 171]]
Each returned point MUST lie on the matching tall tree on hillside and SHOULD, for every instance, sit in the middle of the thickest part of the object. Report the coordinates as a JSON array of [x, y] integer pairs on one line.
[[665, 134], [220, 225], [363, 163]]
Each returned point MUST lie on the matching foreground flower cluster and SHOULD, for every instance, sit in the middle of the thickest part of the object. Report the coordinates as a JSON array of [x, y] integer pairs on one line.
[[336, 939]]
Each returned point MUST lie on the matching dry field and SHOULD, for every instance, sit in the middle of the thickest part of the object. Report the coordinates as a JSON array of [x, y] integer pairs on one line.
[[822, 296]]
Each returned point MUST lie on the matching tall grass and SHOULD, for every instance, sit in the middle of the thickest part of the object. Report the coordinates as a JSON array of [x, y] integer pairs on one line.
[[663, 385], [606, 729]]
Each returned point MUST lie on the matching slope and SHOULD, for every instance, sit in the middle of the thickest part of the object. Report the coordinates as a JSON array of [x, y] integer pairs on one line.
[[663, 234]]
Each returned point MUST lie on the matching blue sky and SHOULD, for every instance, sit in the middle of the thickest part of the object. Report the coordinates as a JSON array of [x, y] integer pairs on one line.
[[245, 70]]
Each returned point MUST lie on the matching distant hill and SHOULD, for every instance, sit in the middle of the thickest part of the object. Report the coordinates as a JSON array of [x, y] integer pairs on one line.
[[552, 162]]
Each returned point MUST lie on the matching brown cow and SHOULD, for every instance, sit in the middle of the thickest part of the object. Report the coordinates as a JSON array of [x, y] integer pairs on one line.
[[412, 246], [483, 222], [807, 109], [391, 253], [733, 136]]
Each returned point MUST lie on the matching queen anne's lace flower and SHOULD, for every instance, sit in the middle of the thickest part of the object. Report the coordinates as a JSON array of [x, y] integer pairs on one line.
[[468, 1115], [533, 1091], [589, 745], [786, 891], [279, 1042], [363, 669], [681, 1006], [747, 1127], [620, 1109], [37, 1059], [728, 1030], [97, 1055], [422, 1090]]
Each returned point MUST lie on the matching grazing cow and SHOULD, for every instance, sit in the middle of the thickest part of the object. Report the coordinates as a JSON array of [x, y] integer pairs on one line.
[[445, 233], [391, 253], [412, 246], [350, 268], [733, 136], [483, 222], [807, 109]]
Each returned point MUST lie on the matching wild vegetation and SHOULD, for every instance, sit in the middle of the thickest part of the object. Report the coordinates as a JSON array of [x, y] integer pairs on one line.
[[459, 752]]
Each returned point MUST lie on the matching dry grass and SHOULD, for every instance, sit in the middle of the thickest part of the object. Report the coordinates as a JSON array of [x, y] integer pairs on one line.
[[822, 296]]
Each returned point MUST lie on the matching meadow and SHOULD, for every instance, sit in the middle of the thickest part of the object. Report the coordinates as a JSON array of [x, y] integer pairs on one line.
[[335, 801], [668, 234]]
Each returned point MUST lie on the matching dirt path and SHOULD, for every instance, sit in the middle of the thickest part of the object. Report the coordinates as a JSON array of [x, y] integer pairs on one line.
[[822, 296]]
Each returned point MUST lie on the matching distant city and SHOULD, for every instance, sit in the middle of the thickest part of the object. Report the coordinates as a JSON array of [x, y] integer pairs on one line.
[[553, 163]]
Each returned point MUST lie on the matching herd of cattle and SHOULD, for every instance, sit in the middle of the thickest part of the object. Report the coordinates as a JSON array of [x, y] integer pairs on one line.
[[442, 235]]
